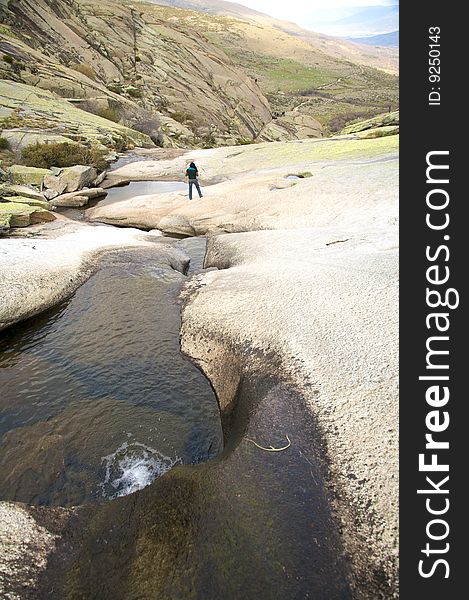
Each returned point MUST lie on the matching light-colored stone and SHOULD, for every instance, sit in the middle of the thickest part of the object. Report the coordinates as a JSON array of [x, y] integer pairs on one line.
[[319, 306], [50, 194], [294, 125], [18, 214], [73, 201], [26, 192], [99, 179], [24, 548], [71, 179], [264, 198], [80, 198], [112, 181]]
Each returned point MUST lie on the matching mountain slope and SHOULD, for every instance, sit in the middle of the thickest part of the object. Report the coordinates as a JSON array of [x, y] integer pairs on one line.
[[185, 78], [379, 58], [123, 60], [294, 74]]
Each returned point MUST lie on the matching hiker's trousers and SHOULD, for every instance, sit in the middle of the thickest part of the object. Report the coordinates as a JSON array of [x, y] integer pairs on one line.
[[196, 183]]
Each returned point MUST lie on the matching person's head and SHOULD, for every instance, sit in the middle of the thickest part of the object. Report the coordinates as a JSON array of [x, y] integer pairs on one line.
[[192, 165]]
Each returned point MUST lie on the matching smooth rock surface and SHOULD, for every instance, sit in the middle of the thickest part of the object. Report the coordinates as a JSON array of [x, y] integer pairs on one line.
[[323, 302], [256, 193]]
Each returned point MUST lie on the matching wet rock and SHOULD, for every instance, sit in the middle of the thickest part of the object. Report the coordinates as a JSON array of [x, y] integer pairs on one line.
[[64, 263], [71, 179]]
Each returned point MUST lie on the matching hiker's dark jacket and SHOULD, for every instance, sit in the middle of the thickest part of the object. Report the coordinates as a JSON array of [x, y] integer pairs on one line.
[[192, 173]]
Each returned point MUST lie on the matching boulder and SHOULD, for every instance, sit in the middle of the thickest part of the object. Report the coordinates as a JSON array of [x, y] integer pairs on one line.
[[22, 137], [75, 201], [22, 175], [81, 198], [16, 214], [4, 224], [50, 194], [55, 184], [30, 201], [111, 182], [99, 179], [25, 192], [71, 179]]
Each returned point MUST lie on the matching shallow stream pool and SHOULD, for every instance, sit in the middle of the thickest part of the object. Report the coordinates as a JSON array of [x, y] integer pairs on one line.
[[97, 400]]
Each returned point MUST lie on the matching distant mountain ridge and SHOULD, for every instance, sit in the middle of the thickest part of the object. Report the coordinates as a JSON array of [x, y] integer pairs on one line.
[[384, 59], [387, 40], [354, 21]]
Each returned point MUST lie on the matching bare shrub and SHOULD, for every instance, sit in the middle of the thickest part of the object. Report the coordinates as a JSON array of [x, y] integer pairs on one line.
[[65, 154]]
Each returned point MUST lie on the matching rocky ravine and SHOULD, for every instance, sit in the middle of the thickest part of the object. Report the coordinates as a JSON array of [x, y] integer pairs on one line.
[[311, 299], [137, 66]]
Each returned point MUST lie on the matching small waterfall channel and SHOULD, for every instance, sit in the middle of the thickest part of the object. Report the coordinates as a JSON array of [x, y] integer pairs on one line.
[[97, 399]]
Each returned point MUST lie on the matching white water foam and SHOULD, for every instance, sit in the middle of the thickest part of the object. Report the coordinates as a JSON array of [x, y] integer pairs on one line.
[[132, 467]]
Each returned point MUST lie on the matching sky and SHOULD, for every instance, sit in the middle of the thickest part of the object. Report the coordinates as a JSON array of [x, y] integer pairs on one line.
[[331, 16]]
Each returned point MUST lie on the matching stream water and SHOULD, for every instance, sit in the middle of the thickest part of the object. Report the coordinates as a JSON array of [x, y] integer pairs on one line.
[[97, 399], [141, 188]]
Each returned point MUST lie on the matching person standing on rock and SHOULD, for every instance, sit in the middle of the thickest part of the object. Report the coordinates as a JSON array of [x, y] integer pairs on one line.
[[192, 173]]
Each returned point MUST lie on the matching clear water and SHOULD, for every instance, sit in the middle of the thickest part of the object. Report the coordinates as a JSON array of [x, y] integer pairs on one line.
[[97, 399], [141, 188]]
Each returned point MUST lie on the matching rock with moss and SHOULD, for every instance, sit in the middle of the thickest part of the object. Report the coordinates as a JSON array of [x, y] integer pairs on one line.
[[377, 132], [21, 138], [38, 112], [20, 190], [385, 120], [4, 223], [17, 214], [71, 179], [19, 174], [79, 198], [29, 201], [291, 126]]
